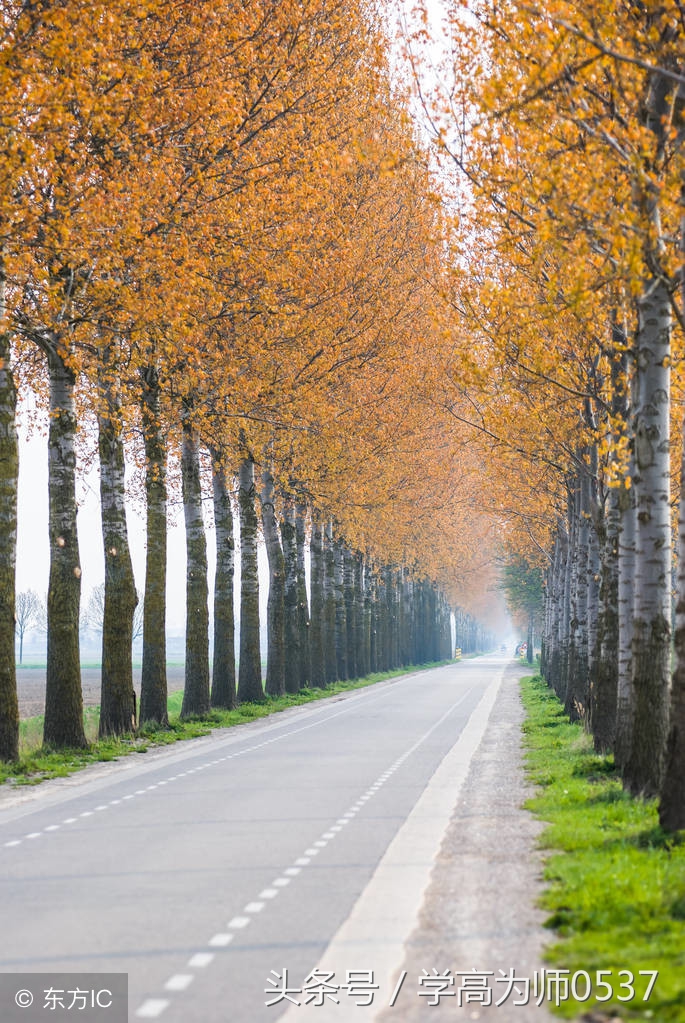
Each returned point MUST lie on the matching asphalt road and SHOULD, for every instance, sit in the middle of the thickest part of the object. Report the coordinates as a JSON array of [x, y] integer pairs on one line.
[[203, 868]]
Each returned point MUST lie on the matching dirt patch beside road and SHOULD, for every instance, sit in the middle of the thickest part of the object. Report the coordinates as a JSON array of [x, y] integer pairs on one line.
[[31, 687]]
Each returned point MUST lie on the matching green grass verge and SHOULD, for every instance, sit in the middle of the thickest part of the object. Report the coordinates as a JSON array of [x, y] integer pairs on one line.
[[616, 881], [37, 763]]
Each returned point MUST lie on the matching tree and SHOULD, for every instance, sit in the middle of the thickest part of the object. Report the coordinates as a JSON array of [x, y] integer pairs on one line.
[[30, 612], [522, 583]]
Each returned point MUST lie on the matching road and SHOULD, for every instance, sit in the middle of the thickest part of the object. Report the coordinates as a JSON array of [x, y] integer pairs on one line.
[[201, 869]]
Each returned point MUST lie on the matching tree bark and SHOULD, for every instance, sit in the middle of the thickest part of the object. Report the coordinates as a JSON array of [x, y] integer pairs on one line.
[[196, 690], [360, 658], [153, 686], [293, 652], [367, 616], [672, 802], [318, 659], [351, 644], [604, 703], [275, 614], [9, 476], [117, 698], [643, 771], [576, 701], [329, 606], [626, 585], [63, 725], [340, 615], [250, 662], [223, 692], [566, 603], [302, 602]]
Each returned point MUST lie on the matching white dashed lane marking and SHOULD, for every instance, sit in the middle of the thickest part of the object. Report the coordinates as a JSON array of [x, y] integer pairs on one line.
[[201, 959], [152, 1008], [179, 982], [238, 922]]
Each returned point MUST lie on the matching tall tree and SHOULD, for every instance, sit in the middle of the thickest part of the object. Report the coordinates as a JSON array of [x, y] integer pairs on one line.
[[250, 661]]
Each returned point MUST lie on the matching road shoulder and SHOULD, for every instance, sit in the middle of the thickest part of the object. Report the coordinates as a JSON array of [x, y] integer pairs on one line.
[[479, 912]]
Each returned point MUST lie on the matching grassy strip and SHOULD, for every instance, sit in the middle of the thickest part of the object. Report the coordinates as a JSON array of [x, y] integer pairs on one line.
[[36, 763], [616, 881]]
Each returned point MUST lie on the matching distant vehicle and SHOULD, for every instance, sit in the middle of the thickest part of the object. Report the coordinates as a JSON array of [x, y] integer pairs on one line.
[[503, 648]]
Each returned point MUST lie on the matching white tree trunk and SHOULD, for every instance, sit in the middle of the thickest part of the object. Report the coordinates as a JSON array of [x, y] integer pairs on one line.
[[652, 592]]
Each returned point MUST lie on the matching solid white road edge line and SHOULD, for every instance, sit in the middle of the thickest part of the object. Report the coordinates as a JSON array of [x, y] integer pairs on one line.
[[374, 935]]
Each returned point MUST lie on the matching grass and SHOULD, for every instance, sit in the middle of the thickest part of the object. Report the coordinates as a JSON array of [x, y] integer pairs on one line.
[[616, 881], [36, 763]]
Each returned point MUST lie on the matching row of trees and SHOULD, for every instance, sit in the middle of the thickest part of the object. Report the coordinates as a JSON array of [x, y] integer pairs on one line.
[[565, 123], [223, 256]]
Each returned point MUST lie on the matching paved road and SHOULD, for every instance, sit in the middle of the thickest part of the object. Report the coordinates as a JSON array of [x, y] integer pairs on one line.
[[201, 869]]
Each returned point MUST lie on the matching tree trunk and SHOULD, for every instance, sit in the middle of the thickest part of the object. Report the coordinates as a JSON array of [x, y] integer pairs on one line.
[[302, 602], [117, 698], [367, 616], [223, 693], [275, 615], [605, 711], [372, 615], [593, 614], [196, 690], [626, 585], [329, 606], [318, 659], [393, 597], [63, 698], [576, 701], [404, 607], [529, 640], [566, 607], [672, 802], [293, 652], [350, 613], [604, 702], [652, 595], [250, 663], [340, 615], [9, 475], [360, 657], [153, 686]]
